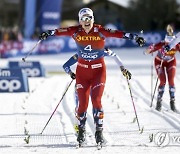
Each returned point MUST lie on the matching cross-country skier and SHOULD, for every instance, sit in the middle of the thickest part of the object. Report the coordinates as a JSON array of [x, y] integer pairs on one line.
[[91, 70], [108, 53], [165, 63]]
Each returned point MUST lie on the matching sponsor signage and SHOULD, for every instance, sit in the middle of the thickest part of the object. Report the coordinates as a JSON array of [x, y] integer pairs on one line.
[[13, 80], [32, 68], [50, 15]]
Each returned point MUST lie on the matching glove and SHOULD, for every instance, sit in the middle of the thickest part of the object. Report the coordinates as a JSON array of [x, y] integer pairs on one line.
[[140, 41], [109, 52], [126, 73], [166, 48], [149, 49], [72, 75], [44, 35]]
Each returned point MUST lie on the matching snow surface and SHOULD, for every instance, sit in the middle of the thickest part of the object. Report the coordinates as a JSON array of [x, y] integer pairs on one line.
[[23, 114]]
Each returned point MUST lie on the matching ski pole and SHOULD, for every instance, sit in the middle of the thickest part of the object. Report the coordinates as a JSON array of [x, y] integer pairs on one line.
[[156, 84], [24, 58], [133, 103], [152, 76], [57, 105]]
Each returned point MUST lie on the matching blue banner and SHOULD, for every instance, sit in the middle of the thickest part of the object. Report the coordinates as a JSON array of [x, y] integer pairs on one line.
[[50, 14], [13, 80], [32, 68], [30, 19]]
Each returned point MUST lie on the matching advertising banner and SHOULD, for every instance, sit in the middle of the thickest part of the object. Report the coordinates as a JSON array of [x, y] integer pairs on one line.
[[50, 14], [32, 68], [13, 80]]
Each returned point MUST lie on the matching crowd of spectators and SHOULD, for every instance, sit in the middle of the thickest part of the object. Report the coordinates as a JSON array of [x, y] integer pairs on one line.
[[10, 34], [14, 34]]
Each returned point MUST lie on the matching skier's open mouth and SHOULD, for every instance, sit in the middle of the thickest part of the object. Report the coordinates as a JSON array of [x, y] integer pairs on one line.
[[87, 25]]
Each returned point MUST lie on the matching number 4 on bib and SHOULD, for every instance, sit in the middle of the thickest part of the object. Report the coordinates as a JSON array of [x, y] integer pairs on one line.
[[88, 47]]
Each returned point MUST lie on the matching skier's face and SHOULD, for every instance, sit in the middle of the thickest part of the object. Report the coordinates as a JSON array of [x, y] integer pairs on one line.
[[87, 22]]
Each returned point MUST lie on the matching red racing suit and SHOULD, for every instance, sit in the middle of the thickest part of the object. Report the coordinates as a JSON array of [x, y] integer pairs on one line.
[[91, 69], [168, 60]]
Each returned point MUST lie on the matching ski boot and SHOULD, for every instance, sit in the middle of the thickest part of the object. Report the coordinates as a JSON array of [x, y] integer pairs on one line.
[[159, 105], [159, 97], [99, 136], [172, 98], [81, 136], [172, 105]]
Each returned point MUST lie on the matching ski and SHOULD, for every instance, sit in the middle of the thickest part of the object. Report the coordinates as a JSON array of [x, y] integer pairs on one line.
[[170, 111], [80, 145]]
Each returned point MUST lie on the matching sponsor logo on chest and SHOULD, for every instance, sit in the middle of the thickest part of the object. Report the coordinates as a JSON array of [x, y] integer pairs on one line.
[[87, 38], [171, 52]]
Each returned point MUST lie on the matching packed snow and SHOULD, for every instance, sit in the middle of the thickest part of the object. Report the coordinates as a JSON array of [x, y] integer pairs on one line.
[[24, 115]]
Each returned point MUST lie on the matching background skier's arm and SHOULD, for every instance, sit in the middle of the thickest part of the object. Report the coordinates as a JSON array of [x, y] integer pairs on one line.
[[125, 72], [68, 64], [154, 47]]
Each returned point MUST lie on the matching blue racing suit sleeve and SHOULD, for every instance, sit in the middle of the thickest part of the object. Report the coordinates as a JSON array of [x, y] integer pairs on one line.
[[69, 63]]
